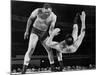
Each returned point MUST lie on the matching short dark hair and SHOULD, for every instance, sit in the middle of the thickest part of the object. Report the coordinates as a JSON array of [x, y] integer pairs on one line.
[[69, 39], [46, 6]]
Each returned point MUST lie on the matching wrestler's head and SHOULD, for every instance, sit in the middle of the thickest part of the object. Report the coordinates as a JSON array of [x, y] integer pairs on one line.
[[47, 7], [69, 39]]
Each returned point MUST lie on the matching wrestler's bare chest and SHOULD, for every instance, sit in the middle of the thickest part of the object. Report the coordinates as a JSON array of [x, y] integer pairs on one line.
[[43, 21]]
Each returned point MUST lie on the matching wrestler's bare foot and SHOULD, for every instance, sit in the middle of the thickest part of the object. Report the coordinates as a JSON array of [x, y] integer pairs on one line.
[[82, 16]]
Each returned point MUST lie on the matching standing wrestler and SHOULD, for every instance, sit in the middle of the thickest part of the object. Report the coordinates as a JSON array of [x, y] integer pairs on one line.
[[72, 41], [43, 25]]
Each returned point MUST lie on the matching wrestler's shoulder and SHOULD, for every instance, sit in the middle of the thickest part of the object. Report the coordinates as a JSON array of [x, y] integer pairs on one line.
[[53, 15]]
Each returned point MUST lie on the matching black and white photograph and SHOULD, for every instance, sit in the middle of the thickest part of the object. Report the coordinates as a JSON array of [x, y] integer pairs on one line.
[[52, 37]]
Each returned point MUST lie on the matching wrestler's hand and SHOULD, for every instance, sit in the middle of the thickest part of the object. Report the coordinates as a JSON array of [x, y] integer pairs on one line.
[[26, 34]]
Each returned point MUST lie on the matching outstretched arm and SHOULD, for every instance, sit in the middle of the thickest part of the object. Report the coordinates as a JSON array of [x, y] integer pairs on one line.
[[54, 17], [29, 22]]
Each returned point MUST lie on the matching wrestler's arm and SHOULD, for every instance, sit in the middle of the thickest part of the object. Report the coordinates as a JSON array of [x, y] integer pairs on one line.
[[54, 17], [30, 19]]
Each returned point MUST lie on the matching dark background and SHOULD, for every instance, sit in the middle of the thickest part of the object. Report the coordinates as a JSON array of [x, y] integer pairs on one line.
[[20, 11]]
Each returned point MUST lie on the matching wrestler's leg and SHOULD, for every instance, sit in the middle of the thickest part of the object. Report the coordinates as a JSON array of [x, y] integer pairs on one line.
[[80, 39], [82, 33], [31, 47], [59, 55], [60, 60], [54, 45], [75, 32], [75, 27], [49, 51], [50, 56]]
